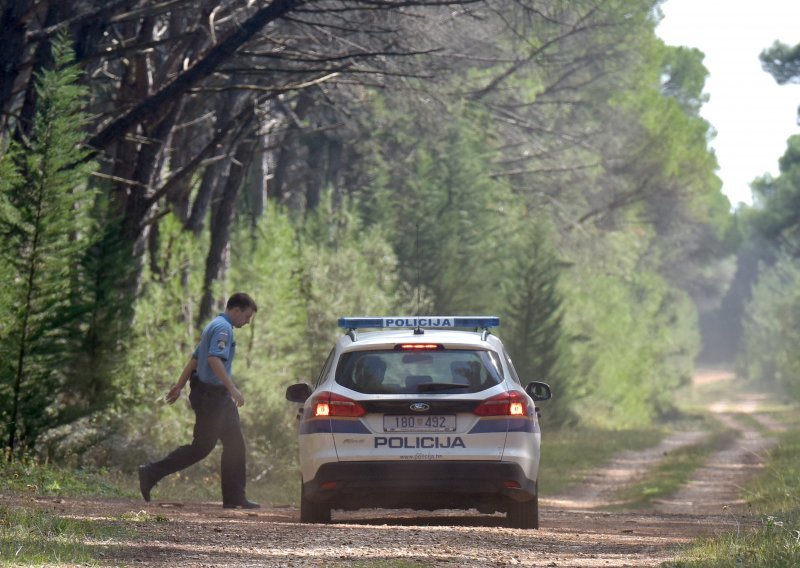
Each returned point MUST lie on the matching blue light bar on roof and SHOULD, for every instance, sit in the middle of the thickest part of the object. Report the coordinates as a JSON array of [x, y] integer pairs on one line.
[[433, 322]]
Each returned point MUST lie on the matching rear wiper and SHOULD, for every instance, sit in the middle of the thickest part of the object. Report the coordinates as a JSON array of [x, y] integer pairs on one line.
[[425, 387]]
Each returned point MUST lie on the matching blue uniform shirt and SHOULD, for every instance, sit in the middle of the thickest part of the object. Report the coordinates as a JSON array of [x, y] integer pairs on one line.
[[217, 341]]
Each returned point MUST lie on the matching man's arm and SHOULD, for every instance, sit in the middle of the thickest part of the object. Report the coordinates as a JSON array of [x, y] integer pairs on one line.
[[175, 392], [219, 370]]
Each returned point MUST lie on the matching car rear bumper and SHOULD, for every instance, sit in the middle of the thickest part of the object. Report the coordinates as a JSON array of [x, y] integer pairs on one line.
[[419, 485]]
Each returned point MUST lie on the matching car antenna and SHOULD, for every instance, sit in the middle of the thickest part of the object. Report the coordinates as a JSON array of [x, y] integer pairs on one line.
[[418, 330]]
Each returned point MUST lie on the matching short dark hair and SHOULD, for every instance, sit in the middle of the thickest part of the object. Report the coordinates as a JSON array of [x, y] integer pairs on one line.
[[242, 301]]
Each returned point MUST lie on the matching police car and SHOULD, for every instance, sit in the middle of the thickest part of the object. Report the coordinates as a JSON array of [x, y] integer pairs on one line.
[[421, 414]]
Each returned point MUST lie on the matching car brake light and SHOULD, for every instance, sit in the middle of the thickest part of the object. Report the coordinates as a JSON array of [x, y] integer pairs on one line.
[[332, 404], [504, 404], [419, 347]]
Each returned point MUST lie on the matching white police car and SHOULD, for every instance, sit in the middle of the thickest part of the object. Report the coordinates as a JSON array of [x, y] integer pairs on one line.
[[420, 416]]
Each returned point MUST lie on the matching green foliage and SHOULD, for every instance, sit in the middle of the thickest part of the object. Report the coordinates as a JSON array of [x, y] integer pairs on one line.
[[45, 236], [575, 137], [532, 313], [685, 78], [448, 213], [777, 491], [782, 61], [774, 545], [773, 312], [304, 279], [631, 325], [29, 477], [772, 327], [634, 335], [776, 498], [777, 201], [349, 268], [273, 352], [9, 217], [160, 341], [666, 174]]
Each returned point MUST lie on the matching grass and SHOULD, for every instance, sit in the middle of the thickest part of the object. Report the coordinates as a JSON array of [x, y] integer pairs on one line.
[[28, 477], [34, 536], [38, 537], [673, 471], [775, 497], [752, 424], [277, 489], [568, 454]]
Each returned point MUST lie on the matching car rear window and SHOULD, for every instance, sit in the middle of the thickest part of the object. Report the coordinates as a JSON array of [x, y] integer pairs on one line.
[[405, 372]]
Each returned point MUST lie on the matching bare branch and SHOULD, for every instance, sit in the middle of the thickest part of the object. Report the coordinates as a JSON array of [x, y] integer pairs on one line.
[[204, 67]]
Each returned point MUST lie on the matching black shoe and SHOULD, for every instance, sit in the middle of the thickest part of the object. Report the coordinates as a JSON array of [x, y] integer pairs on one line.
[[245, 504], [146, 482]]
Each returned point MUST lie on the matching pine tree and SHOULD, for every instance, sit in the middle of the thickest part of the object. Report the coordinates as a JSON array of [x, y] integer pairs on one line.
[[46, 229], [532, 321], [449, 217]]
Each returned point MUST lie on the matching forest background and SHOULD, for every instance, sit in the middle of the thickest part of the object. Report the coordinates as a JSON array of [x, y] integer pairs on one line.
[[541, 160]]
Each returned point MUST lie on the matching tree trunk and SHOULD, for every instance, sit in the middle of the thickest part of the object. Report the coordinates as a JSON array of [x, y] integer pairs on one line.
[[16, 58], [222, 217], [316, 168]]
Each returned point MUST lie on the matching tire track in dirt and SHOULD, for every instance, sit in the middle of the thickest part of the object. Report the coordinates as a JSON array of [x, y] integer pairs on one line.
[[715, 488], [599, 487]]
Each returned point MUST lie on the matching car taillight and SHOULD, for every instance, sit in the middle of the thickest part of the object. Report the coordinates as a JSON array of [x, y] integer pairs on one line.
[[332, 404], [419, 347], [505, 404]]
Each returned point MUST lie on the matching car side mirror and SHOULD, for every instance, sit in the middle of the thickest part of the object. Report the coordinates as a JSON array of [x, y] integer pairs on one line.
[[298, 393], [539, 391]]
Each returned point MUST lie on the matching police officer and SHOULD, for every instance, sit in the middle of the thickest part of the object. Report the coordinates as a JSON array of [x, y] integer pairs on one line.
[[215, 401]]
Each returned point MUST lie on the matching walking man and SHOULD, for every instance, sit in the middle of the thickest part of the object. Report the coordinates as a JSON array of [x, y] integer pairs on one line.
[[215, 401]]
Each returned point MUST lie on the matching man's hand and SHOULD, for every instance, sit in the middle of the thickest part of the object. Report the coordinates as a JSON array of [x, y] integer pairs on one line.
[[174, 393], [219, 370], [237, 396]]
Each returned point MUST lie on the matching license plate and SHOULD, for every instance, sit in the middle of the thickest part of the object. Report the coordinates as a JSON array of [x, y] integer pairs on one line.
[[427, 423]]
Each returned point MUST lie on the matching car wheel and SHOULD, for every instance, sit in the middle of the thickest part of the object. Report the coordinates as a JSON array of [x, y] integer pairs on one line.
[[524, 515], [312, 512]]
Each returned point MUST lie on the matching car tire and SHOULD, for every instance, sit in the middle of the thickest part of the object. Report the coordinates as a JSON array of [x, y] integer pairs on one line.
[[312, 512], [524, 515]]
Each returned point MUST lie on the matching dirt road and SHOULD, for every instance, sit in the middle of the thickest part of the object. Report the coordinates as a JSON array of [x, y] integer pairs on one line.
[[576, 528]]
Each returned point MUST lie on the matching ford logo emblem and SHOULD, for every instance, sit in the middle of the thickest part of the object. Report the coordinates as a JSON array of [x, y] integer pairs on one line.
[[420, 407]]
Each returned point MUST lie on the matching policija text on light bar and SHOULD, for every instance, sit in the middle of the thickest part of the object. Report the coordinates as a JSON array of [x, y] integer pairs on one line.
[[416, 321]]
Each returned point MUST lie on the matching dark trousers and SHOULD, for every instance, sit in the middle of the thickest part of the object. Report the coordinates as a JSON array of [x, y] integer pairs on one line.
[[216, 418]]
